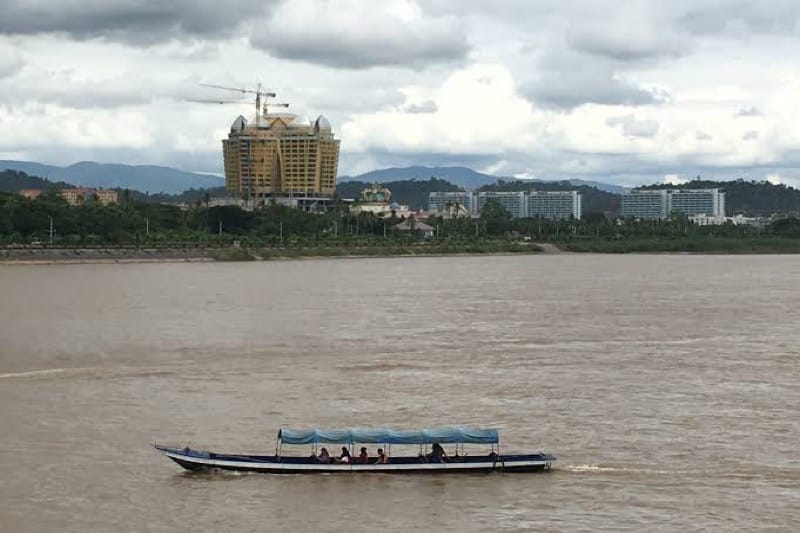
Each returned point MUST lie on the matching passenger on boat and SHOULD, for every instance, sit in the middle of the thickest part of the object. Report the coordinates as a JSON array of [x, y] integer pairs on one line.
[[344, 457], [382, 458], [324, 457], [437, 455], [363, 457]]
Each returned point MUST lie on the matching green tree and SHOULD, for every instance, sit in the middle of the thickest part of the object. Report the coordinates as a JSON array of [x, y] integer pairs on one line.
[[495, 218]]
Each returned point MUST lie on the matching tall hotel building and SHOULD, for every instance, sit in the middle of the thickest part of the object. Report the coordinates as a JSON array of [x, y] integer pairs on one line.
[[660, 203], [280, 155]]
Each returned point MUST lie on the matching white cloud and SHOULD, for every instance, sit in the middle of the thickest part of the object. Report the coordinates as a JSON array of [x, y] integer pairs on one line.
[[552, 88], [633, 126], [10, 59], [674, 179], [748, 111], [477, 111], [495, 168]]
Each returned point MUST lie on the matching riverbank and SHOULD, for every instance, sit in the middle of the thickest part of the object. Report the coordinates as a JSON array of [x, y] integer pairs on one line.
[[18, 256], [201, 253], [694, 245]]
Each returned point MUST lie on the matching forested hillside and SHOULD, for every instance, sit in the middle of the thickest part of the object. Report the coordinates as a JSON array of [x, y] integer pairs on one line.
[[750, 198], [15, 181], [413, 193]]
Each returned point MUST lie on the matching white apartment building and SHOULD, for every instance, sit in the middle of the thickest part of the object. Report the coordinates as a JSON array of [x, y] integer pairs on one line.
[[442, 202], [554, 204], [513, 202], [660, 203], [518, 204]]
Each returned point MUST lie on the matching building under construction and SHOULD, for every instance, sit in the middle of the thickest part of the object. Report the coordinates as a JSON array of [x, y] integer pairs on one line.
[[281, 156]]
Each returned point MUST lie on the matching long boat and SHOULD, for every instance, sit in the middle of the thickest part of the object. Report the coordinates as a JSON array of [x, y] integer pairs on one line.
[[456, 461]]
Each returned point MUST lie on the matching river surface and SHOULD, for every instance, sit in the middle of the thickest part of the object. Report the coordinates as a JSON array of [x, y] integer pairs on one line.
[[668, 386]]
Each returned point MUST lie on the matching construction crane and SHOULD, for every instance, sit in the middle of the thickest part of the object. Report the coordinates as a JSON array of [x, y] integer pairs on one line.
[[259, 92]]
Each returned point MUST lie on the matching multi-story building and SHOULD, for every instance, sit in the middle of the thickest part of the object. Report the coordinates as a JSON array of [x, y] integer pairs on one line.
[[512, 202], [78, 196], [452, 202], [698, 202], [518, 204], [660, 203], [554, 204], [645, 203], [280, 155]]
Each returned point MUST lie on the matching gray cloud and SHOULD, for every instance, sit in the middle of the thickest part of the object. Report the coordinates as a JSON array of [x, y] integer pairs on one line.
[[10, 62], [569, 80], [424, 107], [633, 44], [634, 127], [359, 53], [750, 135], [144, 22], [355, 52], [358, 39], [748, 112], [700, 135], [740, 17], [63, 89]]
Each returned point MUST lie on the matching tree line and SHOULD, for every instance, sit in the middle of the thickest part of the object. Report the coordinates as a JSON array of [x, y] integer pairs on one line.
[[134, 221]]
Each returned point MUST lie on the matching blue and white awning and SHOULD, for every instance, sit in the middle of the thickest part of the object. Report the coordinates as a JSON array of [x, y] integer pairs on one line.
[[448, 435]]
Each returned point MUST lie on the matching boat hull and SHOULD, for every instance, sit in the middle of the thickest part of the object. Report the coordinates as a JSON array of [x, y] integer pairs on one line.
[[198, 460]]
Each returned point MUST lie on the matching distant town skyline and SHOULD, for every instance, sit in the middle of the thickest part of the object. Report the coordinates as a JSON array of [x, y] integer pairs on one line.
[[627, 93]]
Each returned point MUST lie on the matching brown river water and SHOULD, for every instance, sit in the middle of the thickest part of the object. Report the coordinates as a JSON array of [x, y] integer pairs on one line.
[[667, 386]]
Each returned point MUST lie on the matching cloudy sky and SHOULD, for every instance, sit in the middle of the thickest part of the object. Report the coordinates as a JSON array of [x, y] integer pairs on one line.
[[623, 92]]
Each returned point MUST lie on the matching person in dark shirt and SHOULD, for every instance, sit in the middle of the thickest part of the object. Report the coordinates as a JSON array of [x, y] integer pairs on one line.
[[345, 456], [437, 455], [363, 457], [382, 458], [324, 457]]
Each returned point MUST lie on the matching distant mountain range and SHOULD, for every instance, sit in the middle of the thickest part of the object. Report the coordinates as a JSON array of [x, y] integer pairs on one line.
[[752, 198], [144, 178], [463, 177], [157, 179]]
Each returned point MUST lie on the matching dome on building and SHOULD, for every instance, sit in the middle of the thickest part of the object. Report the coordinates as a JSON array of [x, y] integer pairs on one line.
[[267, 121], [257, 119], [322, 123], [300, 121], [239, 124], [376, 193]]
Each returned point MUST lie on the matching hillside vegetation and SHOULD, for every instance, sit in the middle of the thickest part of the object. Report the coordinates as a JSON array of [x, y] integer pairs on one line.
[[413, 193], [14, 181], [750, 198]]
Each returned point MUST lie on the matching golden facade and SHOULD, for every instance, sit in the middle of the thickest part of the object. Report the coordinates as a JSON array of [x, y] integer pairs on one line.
[[280, 154], [81, 195]]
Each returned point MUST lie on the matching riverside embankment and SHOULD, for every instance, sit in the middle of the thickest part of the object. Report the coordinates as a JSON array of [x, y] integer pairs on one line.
[[198, 253]]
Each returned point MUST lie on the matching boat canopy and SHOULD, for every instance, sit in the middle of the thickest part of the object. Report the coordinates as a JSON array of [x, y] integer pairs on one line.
[[447, 435]]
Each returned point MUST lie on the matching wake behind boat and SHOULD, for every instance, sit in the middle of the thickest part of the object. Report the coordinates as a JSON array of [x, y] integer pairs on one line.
[[433, 459]]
